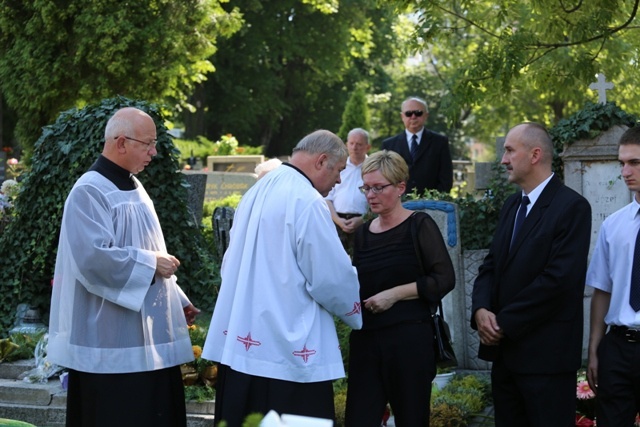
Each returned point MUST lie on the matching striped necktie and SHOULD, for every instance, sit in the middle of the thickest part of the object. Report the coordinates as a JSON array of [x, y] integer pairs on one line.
[[414, 146]]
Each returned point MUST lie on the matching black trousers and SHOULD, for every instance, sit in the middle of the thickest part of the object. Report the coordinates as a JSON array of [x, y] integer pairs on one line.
[[238, 395], [533, 400], [396, 365], [618, 394], [139, 399]]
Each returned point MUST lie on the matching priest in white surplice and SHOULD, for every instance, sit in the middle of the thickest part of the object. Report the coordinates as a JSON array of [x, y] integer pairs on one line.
[[118, 318], [284, 276]]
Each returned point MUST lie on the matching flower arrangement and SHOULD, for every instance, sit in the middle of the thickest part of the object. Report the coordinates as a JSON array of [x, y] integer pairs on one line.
[[586, 403], [14, 168], [199, 376], [226, 145], [8, 193]]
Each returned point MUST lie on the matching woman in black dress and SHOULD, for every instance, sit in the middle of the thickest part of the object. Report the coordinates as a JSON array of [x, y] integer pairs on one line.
[[392, 356]]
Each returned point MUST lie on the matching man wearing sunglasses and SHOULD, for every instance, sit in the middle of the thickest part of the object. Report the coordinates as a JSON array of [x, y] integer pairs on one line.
[[426, 152]]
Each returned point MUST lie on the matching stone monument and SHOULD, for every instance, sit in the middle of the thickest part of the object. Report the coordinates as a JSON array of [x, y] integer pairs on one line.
[[195, 193]]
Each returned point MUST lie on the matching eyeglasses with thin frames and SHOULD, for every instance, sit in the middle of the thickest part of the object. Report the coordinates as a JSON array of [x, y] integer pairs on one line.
[[376, 190], [149, 145], [410, 113]]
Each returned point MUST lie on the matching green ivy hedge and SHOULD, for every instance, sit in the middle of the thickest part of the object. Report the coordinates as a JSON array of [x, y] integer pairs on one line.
[[587, 124], [61, 155]]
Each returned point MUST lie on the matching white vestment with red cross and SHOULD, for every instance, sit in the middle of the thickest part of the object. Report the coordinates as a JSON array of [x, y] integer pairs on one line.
[[284, 276]]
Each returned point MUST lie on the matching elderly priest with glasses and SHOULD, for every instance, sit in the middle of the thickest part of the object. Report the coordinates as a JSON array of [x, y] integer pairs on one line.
[[426, 152], [118, 317]]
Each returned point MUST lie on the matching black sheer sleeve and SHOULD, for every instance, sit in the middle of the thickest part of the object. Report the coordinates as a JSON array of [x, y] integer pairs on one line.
[[438, 278]]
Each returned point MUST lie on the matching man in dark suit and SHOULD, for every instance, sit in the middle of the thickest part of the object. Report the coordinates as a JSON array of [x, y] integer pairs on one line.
[[527, 298], [426, 152]]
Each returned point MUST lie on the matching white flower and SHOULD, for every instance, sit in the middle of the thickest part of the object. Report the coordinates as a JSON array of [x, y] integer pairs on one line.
[[9, 186]]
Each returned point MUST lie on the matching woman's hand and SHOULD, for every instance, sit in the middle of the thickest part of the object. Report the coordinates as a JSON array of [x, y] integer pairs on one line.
[[384, 300], [380, 302]]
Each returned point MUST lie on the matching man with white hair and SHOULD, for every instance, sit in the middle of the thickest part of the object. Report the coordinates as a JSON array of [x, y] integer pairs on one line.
[[426, 152], [346, 202]]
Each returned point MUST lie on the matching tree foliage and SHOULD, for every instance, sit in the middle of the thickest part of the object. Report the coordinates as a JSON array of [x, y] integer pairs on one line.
[[356, 113], [504, 61], [54, 56], [291, 68], [63, 153]]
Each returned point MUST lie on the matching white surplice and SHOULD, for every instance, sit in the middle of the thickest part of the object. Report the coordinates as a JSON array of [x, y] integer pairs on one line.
[[284, 276], [106, 315]]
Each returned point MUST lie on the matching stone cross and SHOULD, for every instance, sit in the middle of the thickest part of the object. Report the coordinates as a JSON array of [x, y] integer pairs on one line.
[[601, 86]]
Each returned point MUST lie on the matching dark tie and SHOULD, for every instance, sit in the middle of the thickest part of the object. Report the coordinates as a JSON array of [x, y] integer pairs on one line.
[[414, 146], [522, 214], [634, 294]]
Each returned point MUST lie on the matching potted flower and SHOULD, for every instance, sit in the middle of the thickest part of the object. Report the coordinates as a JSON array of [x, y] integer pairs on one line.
[[198, 376], [586, 403], [443, 376]]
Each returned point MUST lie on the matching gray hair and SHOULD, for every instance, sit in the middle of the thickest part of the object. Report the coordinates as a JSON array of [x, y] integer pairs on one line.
[[323, 142], [359, 131], [415, 98]]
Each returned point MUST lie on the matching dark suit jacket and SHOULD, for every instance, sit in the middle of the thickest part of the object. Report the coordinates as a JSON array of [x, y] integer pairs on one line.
[[536, 289], [432, 169]]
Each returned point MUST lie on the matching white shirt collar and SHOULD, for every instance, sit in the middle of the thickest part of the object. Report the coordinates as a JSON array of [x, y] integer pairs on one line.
[[535, 193], [409, 135], [635, 209]]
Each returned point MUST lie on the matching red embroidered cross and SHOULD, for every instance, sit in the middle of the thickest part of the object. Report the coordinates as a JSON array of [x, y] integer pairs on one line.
[[248, 341], [304, 353], [356, 309]]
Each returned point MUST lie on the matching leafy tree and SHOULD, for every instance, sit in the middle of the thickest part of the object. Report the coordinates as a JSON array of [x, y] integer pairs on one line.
[[356, 113], [291, 68], [55, 56], [63, 153], [501, 62]]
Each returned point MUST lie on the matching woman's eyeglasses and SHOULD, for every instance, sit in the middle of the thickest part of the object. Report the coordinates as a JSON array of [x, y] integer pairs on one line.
[[376, 190]]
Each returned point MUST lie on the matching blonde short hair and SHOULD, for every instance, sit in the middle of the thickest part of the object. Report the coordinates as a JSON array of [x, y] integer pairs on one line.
[[390, 164]]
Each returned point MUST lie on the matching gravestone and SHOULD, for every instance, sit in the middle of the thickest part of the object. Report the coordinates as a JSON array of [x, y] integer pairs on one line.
[[445, 215], [195, 193], [234, 163], [484, 170], [591, 168], [221, 221], [463, 174], [222, 184], [3, 166]]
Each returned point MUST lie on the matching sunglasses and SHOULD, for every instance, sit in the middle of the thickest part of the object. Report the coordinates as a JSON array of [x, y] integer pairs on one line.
[[417, 113]]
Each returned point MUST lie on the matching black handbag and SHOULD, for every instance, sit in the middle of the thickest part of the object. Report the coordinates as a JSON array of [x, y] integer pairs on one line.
[[443, 350], [444, 354]]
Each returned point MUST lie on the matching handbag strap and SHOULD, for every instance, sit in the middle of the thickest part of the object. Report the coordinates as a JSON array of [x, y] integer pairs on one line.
[[418, 249]]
